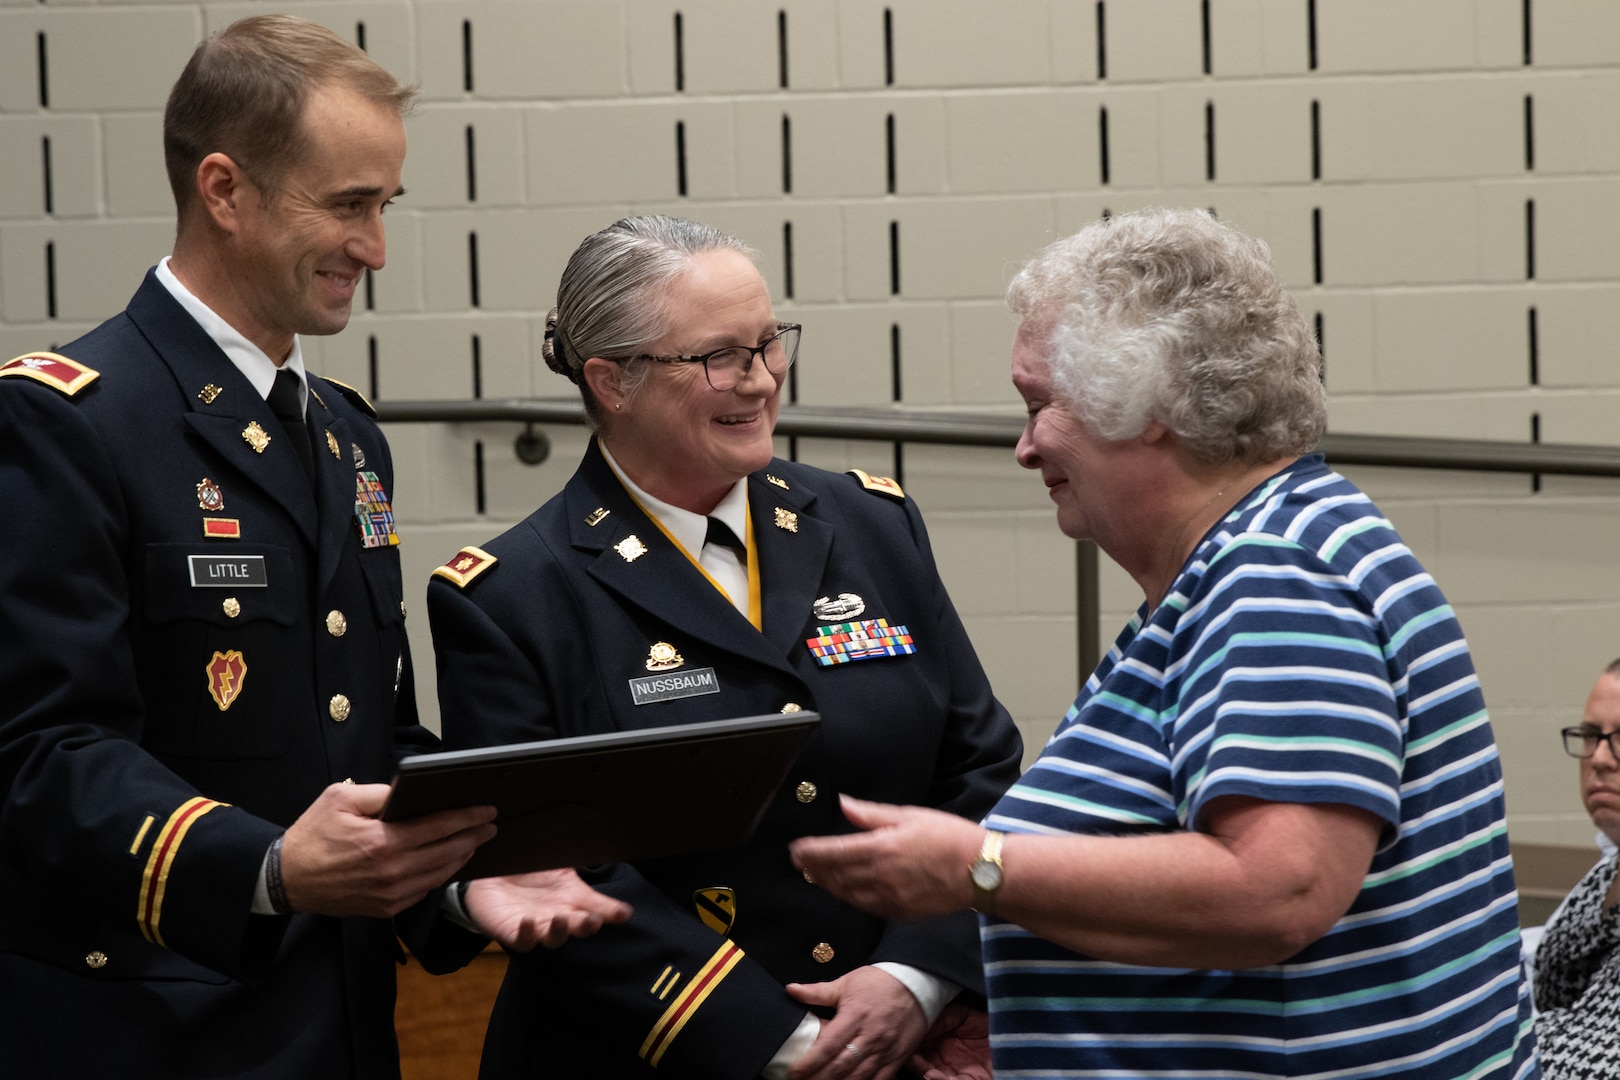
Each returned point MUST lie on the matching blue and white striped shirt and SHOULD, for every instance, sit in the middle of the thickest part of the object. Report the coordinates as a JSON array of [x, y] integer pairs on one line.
[[1302, 655]]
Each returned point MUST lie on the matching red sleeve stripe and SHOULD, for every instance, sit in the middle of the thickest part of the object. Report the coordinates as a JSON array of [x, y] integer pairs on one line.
[[686, 1005], [164, 849]]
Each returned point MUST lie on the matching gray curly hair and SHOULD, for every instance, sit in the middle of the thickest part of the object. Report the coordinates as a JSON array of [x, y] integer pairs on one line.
[[612, 299], [1171, 316]]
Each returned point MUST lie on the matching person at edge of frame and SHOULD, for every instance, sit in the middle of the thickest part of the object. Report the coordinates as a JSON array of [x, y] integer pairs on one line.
[[204, 676], [1577, 965]]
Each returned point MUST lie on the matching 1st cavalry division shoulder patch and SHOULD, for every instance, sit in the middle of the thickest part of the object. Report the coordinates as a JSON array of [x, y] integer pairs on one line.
[[68, 376]]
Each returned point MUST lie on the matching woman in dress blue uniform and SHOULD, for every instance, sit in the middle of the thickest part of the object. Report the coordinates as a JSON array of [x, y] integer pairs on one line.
[[816, 591]]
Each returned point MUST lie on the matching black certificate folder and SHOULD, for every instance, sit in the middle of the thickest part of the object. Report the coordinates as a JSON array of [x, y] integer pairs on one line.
[[617, 797]]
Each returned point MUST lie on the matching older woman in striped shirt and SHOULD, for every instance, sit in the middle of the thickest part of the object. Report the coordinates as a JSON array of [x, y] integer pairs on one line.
[[1268, 837]]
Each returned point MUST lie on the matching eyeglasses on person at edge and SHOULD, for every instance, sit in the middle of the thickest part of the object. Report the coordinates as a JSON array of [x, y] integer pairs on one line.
[[1582, 742], [725, 368]]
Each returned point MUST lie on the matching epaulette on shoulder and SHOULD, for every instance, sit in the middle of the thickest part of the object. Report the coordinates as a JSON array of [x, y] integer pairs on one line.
[[466, 564], [68, 376], [880, 484], [356, 398]]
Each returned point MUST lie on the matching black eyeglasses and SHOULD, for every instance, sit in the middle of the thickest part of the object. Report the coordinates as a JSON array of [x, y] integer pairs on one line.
[[725, 368], [1582, 742]]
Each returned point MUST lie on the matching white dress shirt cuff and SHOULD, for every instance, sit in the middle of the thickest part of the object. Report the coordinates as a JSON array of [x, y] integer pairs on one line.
[[932, 993], [797, 1045], [261, 889]]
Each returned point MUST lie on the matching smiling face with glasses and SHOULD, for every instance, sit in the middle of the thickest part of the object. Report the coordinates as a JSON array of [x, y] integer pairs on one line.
[[1594, 743], [702, 418]]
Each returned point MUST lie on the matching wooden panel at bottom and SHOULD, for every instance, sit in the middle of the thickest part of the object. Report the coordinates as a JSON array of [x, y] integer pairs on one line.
[[441, 1018]]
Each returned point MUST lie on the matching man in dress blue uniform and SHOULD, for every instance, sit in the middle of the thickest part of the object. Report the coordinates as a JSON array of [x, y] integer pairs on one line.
[[204, 682]]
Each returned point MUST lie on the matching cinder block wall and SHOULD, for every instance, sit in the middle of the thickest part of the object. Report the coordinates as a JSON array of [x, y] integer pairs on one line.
[[1439, 181]]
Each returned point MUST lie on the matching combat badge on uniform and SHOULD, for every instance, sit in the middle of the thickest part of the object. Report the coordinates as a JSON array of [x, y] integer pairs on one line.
[[881, 484], [68, 376], [863, 640], [846, 605], [373, 516], [467, 564]]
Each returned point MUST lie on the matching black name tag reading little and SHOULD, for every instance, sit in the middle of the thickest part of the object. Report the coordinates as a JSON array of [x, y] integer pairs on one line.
[[228, 572]]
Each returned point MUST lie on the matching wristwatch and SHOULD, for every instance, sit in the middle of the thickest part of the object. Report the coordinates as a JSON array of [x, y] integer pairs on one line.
[[985, 873]]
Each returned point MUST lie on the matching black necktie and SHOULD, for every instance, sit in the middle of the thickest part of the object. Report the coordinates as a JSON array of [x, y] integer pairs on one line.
[[287, 403], [720, 535]]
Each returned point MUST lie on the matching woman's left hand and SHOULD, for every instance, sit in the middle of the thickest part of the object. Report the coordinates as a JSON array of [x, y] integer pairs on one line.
[[908, 862], [875, 1029]]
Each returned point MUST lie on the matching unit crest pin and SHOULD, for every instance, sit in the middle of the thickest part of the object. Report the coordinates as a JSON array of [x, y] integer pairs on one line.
[[663, 657], [256, 437], [630, 548], [209, 497]]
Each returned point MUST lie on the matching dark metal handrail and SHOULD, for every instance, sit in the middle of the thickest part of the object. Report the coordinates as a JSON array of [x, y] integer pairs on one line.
[[962, 428], [999, 429]]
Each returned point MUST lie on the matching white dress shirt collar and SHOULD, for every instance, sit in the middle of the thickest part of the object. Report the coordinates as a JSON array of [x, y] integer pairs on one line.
[[249, 359]]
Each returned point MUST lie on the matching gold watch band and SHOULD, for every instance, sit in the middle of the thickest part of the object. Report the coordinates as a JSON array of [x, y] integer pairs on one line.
[[985, 873]]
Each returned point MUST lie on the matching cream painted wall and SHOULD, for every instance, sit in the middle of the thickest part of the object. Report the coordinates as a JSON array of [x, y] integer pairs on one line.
[[1429, 174]]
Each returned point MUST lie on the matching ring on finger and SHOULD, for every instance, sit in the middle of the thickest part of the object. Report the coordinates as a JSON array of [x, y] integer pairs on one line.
[[852, 1050]]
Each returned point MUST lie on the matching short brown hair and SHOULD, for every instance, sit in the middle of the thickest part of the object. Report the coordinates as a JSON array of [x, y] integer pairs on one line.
[[243, 95]]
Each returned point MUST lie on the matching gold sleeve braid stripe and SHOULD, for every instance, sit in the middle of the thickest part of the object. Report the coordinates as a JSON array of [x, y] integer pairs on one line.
[[686, 1005], [164, 849]]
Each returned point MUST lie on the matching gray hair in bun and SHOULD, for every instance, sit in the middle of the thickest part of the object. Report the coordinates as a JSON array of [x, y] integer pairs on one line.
[[612, 301]]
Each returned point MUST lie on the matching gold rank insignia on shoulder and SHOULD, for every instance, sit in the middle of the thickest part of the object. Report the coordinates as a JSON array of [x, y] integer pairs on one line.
[[787, 519], [778, 481], [883, 485], [630, 548], [355, 397], [663, 657], [52, 369], [331, 444], [256, 437], [594, 518], [208, 393], [467, 564]]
